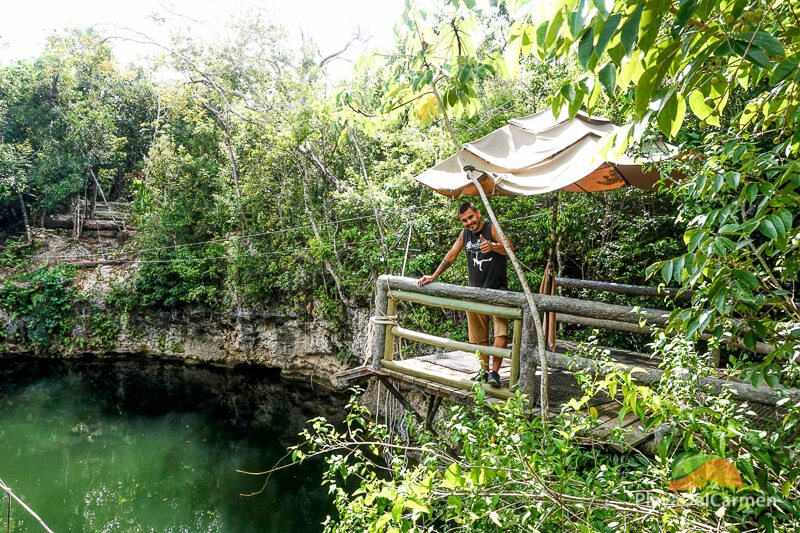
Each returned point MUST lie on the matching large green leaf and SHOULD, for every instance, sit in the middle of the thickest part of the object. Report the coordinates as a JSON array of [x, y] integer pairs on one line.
[[579, 18], [627, 70], [630, 30], [786, 69], [752, 53], [685, 12], [692, 239], [666, 271], [608, 78], [787, 218], [763, 41], [644, 90], [677, 268], [554, 28], [671, 116], [604, 7], [697, 102], [768, 229], [609, 28], [651, 22], [585, 48], [747, 278]]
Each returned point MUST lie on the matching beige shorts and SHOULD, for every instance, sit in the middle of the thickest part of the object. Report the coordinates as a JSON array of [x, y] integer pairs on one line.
[[478, 327]]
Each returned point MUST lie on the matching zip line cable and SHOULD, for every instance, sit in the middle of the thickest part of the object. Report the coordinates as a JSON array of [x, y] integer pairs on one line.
[[259, 254], [210, 241]]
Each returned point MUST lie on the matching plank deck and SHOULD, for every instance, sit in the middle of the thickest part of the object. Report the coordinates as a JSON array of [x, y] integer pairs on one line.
[[463, 366]]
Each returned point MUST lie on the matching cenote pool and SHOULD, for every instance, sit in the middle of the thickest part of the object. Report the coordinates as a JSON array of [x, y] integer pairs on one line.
[[142, 445]]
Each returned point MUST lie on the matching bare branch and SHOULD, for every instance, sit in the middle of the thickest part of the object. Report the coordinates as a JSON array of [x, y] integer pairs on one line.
[[357, 37]]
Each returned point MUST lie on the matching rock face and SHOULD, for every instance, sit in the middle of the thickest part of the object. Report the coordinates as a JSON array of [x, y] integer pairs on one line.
[[308, 348], [304, 349], [267, 338], [301, 347]]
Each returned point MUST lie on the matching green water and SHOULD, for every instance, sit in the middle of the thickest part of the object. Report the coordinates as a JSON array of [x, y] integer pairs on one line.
[[135, 446]]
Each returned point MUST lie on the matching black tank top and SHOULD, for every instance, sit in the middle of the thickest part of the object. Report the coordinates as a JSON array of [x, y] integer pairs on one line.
[[485, 270]]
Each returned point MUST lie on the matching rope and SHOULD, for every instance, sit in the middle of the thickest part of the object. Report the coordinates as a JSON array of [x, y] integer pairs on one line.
[[408, 245], [386, 320], [378, 404], [22, 504]]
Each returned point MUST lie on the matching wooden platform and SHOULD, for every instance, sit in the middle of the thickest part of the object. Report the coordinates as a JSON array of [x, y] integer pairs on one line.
[[463, 367], [449, 373]]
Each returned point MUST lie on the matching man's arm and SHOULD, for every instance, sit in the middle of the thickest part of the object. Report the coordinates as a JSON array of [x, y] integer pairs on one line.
[[448, 260], [496, 245]]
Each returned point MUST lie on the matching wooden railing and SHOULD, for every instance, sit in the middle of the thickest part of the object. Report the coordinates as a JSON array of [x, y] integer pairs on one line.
[[392, 289], [512, 313]]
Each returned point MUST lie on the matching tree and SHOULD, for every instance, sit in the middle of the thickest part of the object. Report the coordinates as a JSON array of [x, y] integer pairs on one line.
[[85, 121], [722, 78]]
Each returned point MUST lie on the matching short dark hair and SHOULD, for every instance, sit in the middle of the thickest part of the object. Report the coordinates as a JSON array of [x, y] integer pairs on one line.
[[466, 206]]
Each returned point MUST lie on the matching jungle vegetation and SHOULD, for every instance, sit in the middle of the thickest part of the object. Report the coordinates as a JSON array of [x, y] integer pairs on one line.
[[254, 183]]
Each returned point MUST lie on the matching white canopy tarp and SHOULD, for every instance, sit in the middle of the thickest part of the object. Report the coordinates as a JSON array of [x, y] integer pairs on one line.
[[541, 153]]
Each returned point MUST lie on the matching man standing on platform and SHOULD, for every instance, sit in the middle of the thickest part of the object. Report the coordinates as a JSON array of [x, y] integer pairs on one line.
[[486, 264]]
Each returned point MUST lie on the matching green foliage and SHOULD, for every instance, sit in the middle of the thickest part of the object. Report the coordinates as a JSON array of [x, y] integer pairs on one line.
[[718, 77], [742, 250], [177, 207], [40, 305], [699, 420], [14, 252], [69, 121], [103, 328], [495, 468]]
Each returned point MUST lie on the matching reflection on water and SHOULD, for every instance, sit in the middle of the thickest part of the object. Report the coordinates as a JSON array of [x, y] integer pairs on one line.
[[138, 445]]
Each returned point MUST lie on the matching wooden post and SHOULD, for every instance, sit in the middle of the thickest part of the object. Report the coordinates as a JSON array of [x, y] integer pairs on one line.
[[388, 347], [527, 357], [433, 405], [28, 232], [515, 348], [378, 322]]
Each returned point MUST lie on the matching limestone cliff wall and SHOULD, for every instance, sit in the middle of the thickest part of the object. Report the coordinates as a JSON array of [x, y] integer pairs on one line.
[[302, 347]]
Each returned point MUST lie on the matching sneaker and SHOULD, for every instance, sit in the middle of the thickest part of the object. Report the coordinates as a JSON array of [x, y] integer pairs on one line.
[[480, 377], [494, 379]]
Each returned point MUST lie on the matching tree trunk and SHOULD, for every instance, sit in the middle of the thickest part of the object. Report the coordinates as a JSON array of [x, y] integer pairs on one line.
[[54, 87], [369, 190], [115, 193], [77, 219], [66, 222], [92, 193], [28, 233]]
